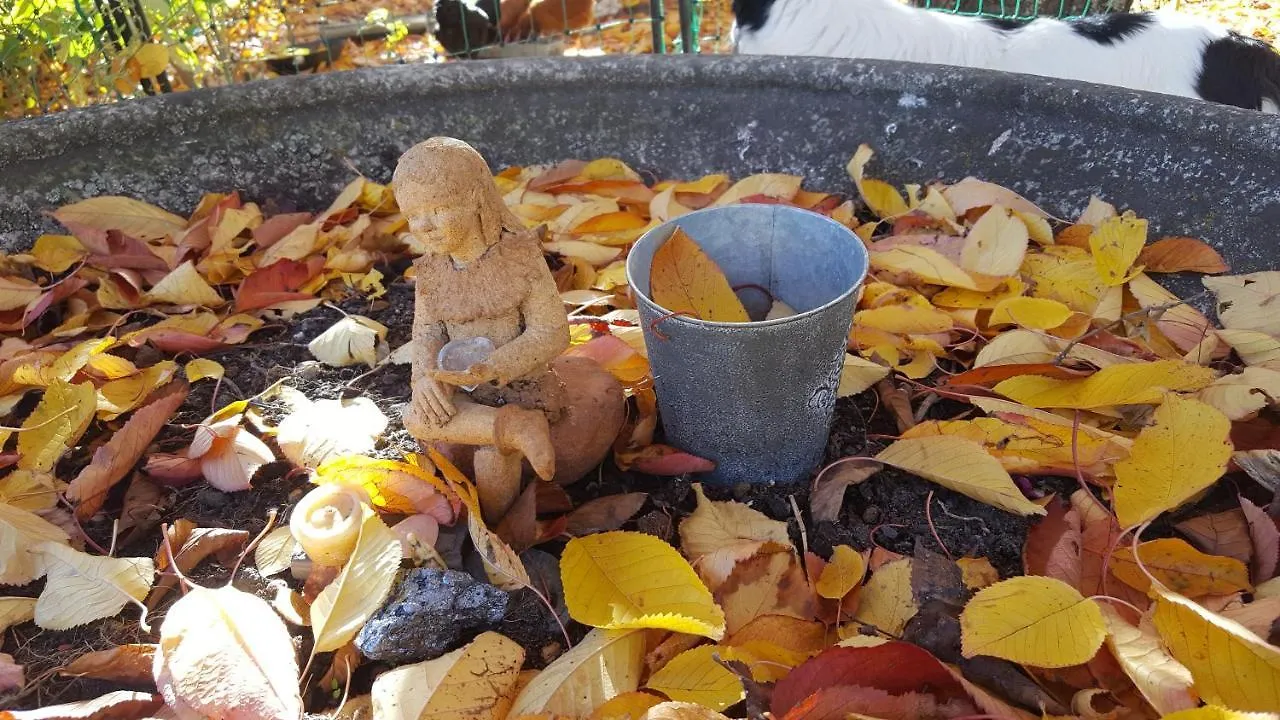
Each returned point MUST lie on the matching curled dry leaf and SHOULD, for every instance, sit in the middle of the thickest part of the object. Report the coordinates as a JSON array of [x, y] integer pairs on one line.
[[352, 340], [1163, 681], [113, 460], [622, 580], [225, 653], [80, 588], [400, 488], [603, 664], [826, 498], [127, 664], [1223, 533], [327, 522], [501, 563], [342, 608], [229, 454], [717, 535], [118, 705]]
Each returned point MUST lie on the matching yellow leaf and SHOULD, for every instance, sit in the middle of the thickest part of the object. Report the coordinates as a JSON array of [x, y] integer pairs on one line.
[[120, 396], [1181, 323], [1163, 681], [842, 573], [682, 711], [684, 279], [886, 602], [474, 682], [57, 423], [883, 199], [110, 367], [608, 169], [21, 532], [342, 608], [80, 588], [960, 465], [694, 676], [602, 665], [1129, 384], [1116, 243], [1068, 275], [1231, 666], [930, 266], [1181, 568], [1216, 712], [392, 486], [1254, 348], [501, 563], [913, 316], [152, 59], [1035, 444], [274, 553], [627, 706], [1241, 395], [1185, 451], [977, 573], [716, 535], [202, 368], [1036, 621], [771, 582], [16, 293], [32, 490], [56, 253], [703, 186], [353, 340], [131, 217], [973, 299], [1247, 302], [15, 611], [971, 193], [856, 375], [779, 187], [1030, 313], [996, 244], [621, 580], [184, 286]]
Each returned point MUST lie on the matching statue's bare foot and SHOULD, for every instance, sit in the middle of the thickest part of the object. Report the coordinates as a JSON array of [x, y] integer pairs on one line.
[[527, 432]]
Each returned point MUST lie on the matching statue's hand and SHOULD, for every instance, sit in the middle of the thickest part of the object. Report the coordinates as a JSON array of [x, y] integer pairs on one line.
[[432, 402], [474, 375]]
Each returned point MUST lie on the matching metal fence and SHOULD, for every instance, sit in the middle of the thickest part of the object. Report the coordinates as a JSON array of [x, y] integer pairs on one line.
[[56, 54]]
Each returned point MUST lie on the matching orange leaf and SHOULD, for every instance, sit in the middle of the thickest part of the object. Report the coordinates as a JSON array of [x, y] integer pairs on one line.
[[1180, 568], [112, 461], [684, 279], [611, 222], [125, 664], [991, 374], [1181, 254]]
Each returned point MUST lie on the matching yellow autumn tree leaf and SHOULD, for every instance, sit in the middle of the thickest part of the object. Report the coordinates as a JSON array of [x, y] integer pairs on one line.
[[1216, 712], [1126, 384], [474, 682], [1246, 302], [1184, 451], [602, 665], [842, 573], [1116, 243], [929, 266], [1034, 444], [352, 340], [774, 185], [694, 676], [684, 279], [977, 573], [856, 375], [1030, 313], [1181, 568], [887, 602], [185, 286], [120, 396], [15, 611], [883, 199], [392, 486], [202, 368], [718, 534], [57, 253], [1069, 275], [911, 316], [63, 415], [960, 465], [1163, 681], [1231, 666], [1033, 620], [627, 706], [996, 244], [342, 608], [80, 588], [621, 580], [131, 217], [21, 531]]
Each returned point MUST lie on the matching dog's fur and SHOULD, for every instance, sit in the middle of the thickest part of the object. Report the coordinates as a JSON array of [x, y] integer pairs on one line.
[[1157, 52]]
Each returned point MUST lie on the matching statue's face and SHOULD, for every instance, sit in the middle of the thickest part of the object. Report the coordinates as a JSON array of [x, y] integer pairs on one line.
[[442, 228]]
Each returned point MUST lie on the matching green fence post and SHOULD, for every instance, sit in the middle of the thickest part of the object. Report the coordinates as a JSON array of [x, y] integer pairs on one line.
[[657, 14], [687, 42]]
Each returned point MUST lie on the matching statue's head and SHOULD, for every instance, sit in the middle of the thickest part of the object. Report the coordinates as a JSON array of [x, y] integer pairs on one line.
[[446, 192]]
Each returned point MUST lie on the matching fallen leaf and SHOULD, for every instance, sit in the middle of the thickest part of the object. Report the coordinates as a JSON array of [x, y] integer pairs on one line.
[[1185, 451], [1231, 666], [80, 588], [841, 701], [131, 217], [17, 292], [694, 676], [229, 455], [1253, 347], [1266, 540], [236, 640], [1245, 301], [662, 460], [1214, 712], [1116, 243], [323, 430], [184, 286], [113, 460], [128, 664], [15, 611], [12, 675], [681, 711], [1180, 568], [604, 514], [352, 340], [627, 706], [843, 572], [501, 563], [21, 531], [996, 244], [1163, 681], [773, 185], [971, 193], [118, 397], [1032, 620], [684, 279], [393, 487], [473, 682], [826, 497], [1100, 535], [1181, 254], [118, 705], [1028, 444], [881, 197], [342, 608], [602, 665], [622, 580], [1128, 384], [960, 465], [57, 423], [1054, 545], [770, 582], [977, 573], [57, 253], [717, 535], [1240, 396], [201, 368], [1258, 616], [886, 601], [1221, 533], [276, 283], [856, 375]]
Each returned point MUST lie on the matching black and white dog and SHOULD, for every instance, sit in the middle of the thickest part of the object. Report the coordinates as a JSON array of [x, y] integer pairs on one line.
[[1157, 52]]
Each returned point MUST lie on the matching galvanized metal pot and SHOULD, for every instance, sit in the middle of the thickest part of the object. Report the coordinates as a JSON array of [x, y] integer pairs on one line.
[[756, 398]]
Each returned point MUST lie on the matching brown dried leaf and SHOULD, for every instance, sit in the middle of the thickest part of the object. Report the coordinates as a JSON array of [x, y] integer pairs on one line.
[[119, 705], [827, 495], [1181, 254], [716, 536], [1266, 540], [127, 664], [1223, 533], [1054, 544], [112, 461], [604, 514], [770, 582], [519, 527]]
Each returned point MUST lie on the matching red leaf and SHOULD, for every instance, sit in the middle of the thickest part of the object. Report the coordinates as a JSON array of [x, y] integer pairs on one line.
[[277, 226], [112, 461], [172, 470], [565, 171], [276, 283], [837, 703], [1256, 434], [1266, 541], [894, 667], [604, 514], [628, 191], [127, 664], [1053, 545], [662, 460], [123, 251], [1181, 254], [992, 374]]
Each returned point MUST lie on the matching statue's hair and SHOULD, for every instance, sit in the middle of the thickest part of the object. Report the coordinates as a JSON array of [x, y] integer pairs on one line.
[[448, 170]]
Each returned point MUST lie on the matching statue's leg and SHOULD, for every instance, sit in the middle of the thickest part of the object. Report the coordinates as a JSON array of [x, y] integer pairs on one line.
[[497, 481], [527, 432]]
